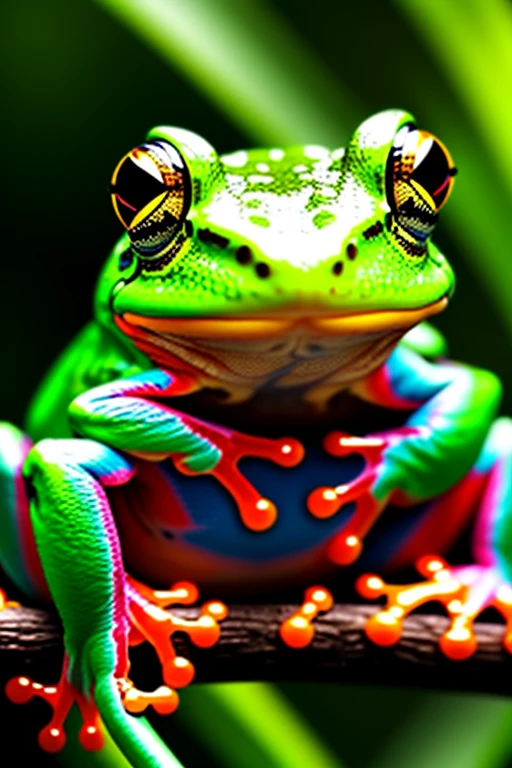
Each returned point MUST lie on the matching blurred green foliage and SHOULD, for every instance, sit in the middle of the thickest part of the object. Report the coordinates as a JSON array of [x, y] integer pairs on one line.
[[81, 86]]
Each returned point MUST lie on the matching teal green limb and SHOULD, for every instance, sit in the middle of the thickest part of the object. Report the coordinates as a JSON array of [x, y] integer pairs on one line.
[[459, 405], [426, 341], [497, 510], [136, 739], [250, 62], [254, 726], [77, 540], [81, 557], [122, 414]]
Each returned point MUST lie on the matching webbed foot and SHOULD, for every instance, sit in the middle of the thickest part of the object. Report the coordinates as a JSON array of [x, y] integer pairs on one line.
[[464, 591], [257, 513], [150, 622], [346, 545], [297, 631], [61, 697]]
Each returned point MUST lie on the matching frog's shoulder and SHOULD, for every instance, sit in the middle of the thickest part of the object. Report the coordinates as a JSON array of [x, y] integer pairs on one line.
[[95, 356], [426, 341]]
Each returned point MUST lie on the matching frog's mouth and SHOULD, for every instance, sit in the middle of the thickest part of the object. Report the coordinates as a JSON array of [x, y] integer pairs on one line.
[[249, 354], [275, 326]]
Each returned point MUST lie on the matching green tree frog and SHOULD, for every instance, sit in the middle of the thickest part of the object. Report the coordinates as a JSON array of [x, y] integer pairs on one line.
[[257, 387]]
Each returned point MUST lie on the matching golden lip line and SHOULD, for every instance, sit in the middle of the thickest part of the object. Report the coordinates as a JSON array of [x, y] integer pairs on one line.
[[265, 327]]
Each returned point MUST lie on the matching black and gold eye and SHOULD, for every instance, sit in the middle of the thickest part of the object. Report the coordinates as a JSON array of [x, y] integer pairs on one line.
[[419, 178], [151, 193]]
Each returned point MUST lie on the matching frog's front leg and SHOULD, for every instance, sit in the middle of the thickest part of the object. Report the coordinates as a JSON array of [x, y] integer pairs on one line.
[[452, 407], [79, 548], [467, 590], [126, 414]]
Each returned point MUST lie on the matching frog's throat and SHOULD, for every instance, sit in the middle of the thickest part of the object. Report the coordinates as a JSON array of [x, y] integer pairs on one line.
[[269, 327], [245, 355]]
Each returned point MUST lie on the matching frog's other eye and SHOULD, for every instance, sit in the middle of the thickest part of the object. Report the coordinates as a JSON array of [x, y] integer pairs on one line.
[[151, 193], [419, 178]]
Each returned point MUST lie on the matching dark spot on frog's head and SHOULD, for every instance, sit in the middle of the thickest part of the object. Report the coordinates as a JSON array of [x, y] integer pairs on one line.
[[373, 231], [167, 534], [351, 251], [212, 238], [126, 259], [337, 268], [262, 269], [243, 254]]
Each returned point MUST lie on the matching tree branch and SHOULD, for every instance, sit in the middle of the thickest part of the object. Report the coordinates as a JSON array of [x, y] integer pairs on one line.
[[250, 649]]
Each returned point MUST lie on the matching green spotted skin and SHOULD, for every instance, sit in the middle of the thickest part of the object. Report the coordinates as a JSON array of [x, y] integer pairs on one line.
[[272, 229]]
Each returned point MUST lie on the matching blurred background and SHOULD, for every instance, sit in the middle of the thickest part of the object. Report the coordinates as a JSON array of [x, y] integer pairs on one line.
[[82, 82]]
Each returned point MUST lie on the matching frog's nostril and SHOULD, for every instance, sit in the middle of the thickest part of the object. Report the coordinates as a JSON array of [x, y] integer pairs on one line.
[[244, 254], [337, 267], [262, 269], [351, 251]]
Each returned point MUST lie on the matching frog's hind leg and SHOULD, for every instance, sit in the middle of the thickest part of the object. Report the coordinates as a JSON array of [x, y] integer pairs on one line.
[[18, 554], [468, 590], [81, 557]]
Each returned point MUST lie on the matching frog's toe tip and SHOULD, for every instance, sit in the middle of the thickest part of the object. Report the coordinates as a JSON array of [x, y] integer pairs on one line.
[[459, 643], [52, 739], [178, 672], [19, 690], [384, 629], [90, 738]]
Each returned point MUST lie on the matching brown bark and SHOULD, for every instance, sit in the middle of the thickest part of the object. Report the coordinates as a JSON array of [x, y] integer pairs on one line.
[[250, 649]]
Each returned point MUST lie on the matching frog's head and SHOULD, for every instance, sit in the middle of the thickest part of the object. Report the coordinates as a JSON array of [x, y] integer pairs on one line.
[[251, 244]]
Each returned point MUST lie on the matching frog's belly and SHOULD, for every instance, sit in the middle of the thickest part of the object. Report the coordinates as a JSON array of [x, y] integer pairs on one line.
[[175, 527]]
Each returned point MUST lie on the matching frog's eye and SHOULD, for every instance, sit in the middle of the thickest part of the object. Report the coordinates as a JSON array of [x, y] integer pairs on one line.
[[151, 194], [419, 179]]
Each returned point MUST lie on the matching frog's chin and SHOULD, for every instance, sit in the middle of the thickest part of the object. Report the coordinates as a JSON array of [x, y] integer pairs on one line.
[[245, 355], [266, 327]]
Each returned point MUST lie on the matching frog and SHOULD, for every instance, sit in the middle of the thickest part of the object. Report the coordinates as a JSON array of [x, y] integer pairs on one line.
[[259, 401]]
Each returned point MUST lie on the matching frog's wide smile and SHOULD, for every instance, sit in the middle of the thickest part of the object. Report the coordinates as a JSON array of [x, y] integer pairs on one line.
[[273, 326]]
